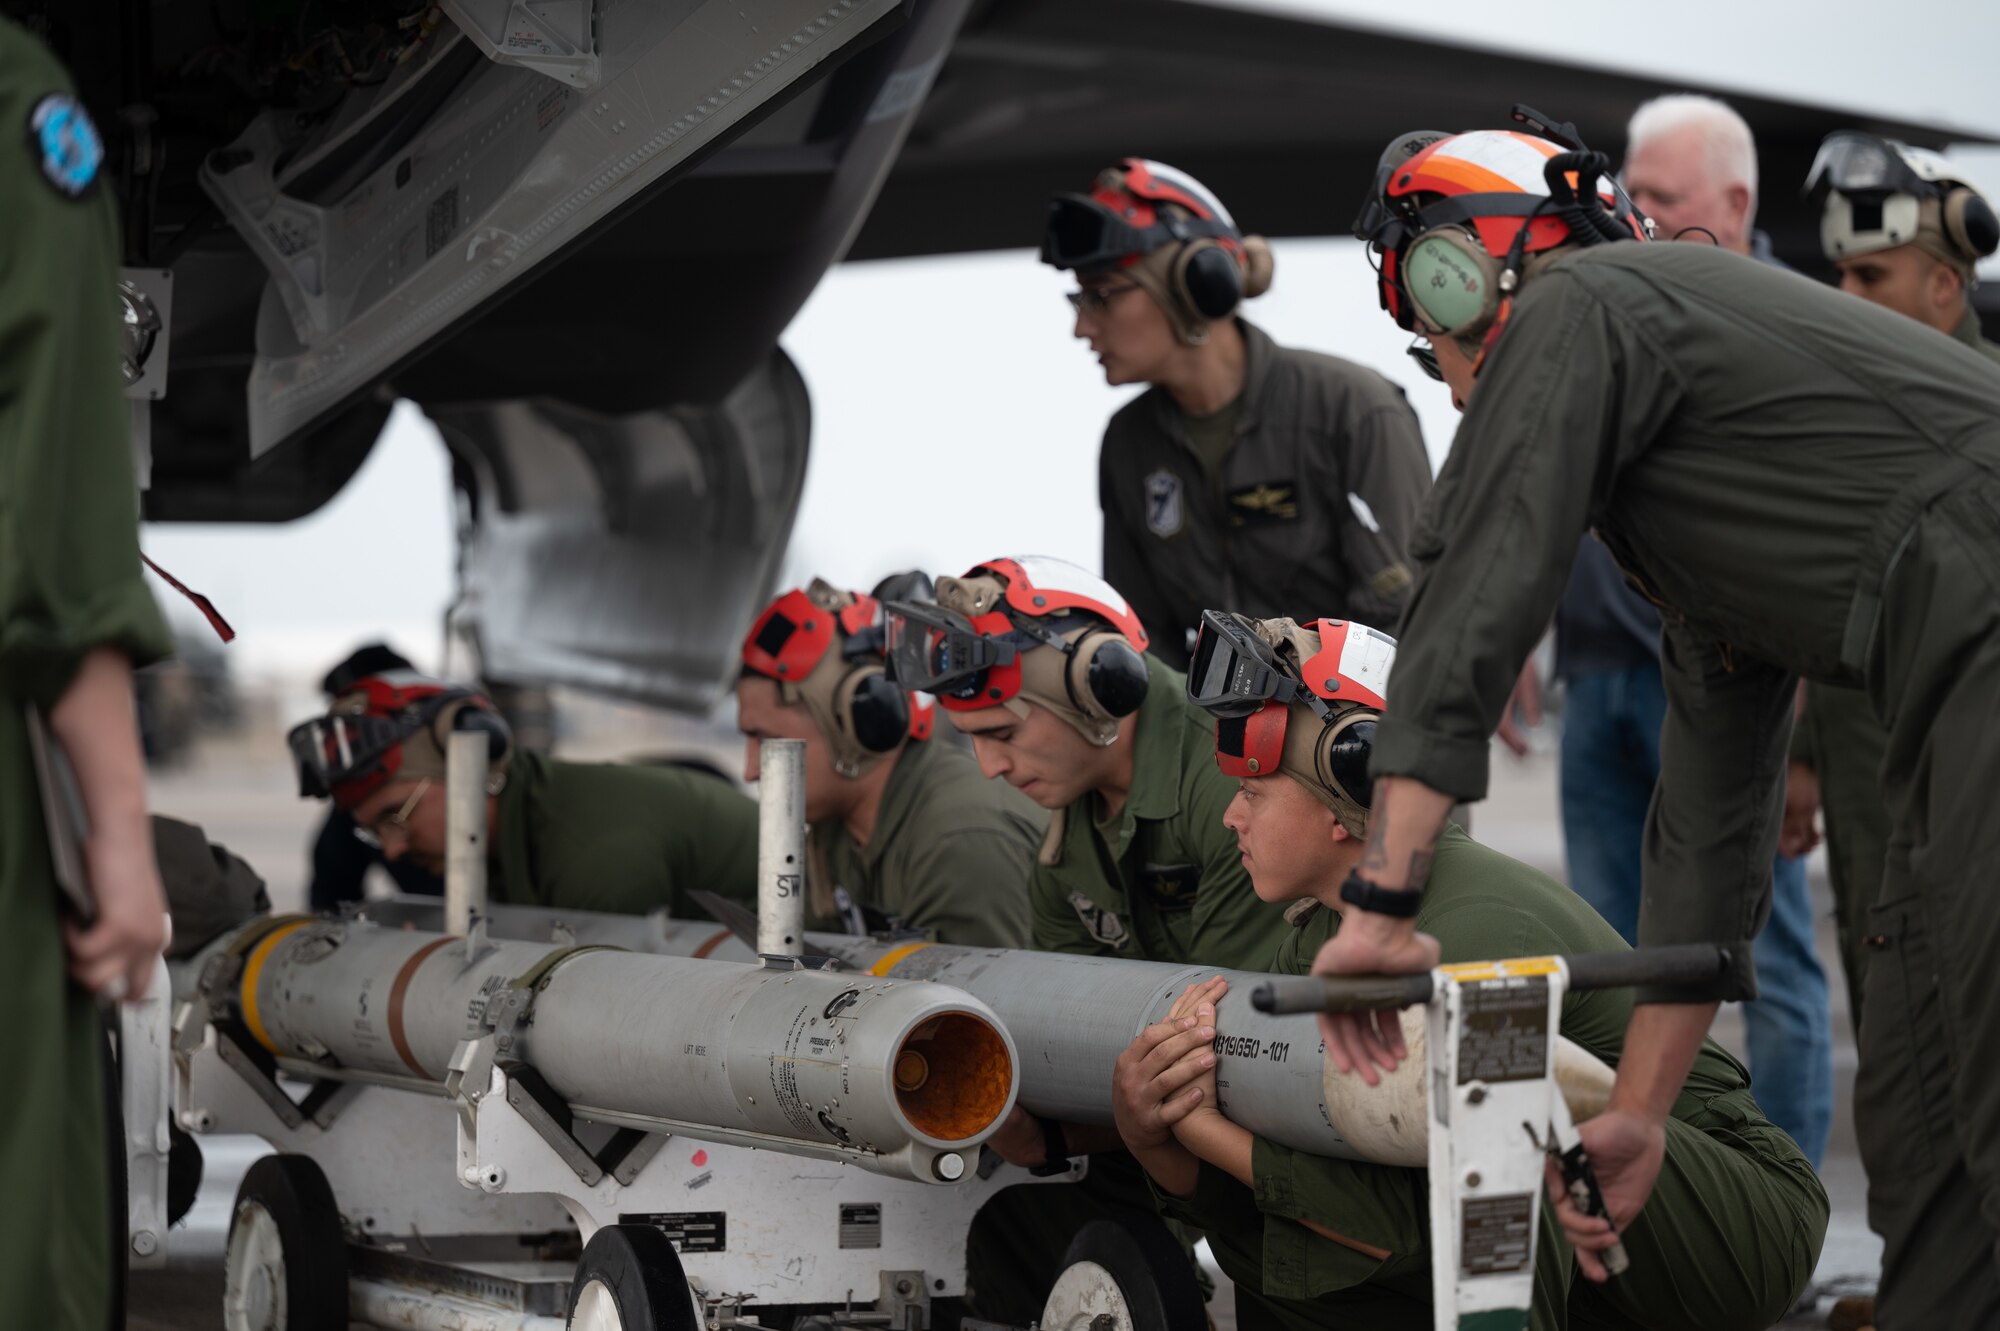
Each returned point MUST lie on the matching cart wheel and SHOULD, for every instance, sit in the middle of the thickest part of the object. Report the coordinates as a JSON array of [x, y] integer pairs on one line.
[[1134, 1273], [286, 1265], [630, 1279], [183, 1173]]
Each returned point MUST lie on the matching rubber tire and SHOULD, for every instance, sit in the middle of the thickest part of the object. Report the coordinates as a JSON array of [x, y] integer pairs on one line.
[[638, 1264], [184, 1169], [1151, 1269], [295, 1194]]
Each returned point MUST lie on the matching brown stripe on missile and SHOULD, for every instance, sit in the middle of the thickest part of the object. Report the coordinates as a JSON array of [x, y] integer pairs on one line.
[[396, 992], [712, 944]]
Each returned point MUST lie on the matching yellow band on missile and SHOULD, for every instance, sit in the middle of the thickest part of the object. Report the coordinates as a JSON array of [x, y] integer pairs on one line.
[[253, 967], [1495, 970], [890, 960]]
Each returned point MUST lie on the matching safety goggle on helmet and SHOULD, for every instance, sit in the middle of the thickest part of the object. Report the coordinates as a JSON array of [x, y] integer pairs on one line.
[[1871, 193], [1122, 218], [1249, 686], [358, 748], [971, 661]]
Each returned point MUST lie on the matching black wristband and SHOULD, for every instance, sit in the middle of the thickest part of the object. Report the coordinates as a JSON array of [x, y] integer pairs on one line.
[[1055, 1150], [1358, 891]]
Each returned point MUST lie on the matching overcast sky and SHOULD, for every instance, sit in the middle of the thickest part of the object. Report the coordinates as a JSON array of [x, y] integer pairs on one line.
[[965, 366]]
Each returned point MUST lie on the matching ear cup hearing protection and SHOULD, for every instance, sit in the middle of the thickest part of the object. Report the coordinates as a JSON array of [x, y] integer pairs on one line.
[[868, 706], [1106, 677], [463, 715], [1970, 223], [1208, 278], [1340, 754], [1453, 283]]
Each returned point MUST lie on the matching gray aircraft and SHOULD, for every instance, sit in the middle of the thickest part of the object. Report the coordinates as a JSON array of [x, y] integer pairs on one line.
[[573, 230]]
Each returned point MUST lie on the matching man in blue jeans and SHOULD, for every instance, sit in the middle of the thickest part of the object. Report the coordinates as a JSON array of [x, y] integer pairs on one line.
[[1690, 165]]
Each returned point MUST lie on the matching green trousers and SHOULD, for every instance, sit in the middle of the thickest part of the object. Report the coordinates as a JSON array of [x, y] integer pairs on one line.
[[54, 1225], [1727, 1242], [1927, 1097], [1845, 741]]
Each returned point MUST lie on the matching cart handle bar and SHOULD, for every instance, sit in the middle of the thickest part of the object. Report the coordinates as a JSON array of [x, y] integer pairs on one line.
[[1686, 963]]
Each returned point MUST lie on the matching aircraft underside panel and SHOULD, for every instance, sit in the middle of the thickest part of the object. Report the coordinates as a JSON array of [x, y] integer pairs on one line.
[[370, 261], [626, 554]]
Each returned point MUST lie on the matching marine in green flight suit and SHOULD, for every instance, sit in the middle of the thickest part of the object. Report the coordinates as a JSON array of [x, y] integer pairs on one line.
[[615, 837], [1840, 740], [75, 616], [950, 853], [901, 827], [577, 836], [1248, 473], [1738, 1202], [1160, 880], [1136, 863], [1806, 488]]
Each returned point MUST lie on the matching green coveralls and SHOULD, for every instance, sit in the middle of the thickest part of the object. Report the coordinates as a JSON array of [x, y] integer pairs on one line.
[[1163, 880], [950, 852], [1842, 741], [1264, 524], [629, 840], [1728, 1239], [70, 581], [1807, 485]]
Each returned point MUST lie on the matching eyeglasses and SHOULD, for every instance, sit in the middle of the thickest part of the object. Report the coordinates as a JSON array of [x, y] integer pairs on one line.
[[1097, 300], [371, 835], [1425, 355]]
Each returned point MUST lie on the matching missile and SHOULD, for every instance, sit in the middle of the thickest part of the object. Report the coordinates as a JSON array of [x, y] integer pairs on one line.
[[1075, 1015], [895, 1076]]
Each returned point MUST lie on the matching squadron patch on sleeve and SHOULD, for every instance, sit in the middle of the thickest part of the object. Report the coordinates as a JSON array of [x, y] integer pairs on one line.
[[66, 144], [1164, 514]]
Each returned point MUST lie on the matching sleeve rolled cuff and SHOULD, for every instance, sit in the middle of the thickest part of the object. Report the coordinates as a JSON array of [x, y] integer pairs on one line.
[[1203, 1206], [39, 658], [1452, 765]]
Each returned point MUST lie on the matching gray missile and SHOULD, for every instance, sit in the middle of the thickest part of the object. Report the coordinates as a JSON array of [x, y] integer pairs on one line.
[[895, 1076], [1074, 1015]]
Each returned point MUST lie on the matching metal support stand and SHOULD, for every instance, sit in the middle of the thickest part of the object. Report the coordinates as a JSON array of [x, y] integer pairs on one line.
[[1493, 1098], [466, 765], [145, 1069], [781, 847]]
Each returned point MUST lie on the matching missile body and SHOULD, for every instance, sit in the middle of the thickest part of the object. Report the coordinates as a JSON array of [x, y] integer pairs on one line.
[[1075, 1016], [824, 1059], [1072, 1016]]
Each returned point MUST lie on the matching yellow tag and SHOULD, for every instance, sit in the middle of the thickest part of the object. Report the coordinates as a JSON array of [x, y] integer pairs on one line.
[[1466, 971]]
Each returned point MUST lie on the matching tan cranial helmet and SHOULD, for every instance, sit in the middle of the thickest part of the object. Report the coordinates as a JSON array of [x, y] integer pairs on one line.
[[1879, 194], [1301, 701], [1020, 630], [823, 647]]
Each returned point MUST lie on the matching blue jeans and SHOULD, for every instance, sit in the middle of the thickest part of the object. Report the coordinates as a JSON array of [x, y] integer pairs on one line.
[[1610, 763]]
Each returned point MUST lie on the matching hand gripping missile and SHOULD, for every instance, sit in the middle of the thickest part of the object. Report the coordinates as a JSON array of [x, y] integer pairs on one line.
[[1075, 1015], [897, 1077]]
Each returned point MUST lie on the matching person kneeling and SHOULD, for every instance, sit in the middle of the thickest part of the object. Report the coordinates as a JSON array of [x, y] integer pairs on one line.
[[1733, 1231]]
